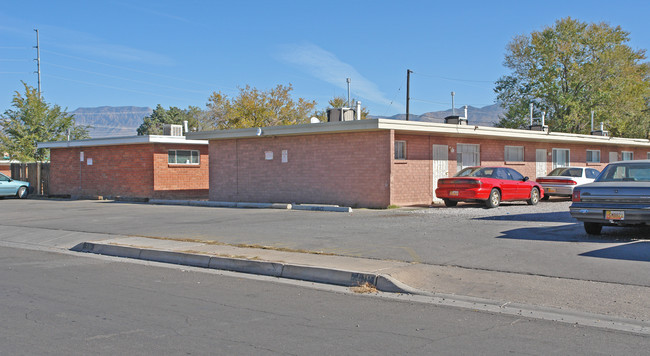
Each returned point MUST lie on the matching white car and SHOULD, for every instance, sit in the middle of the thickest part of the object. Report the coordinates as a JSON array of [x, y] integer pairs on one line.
[[562, 180]]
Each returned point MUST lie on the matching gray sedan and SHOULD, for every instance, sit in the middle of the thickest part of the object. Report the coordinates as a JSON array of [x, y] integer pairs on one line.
[[620, 196]]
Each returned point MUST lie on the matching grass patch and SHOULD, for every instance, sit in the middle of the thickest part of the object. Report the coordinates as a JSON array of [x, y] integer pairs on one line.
[[364, 288]]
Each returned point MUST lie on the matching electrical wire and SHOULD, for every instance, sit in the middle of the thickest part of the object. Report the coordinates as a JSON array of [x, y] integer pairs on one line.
[[127, 79], [116, 88]]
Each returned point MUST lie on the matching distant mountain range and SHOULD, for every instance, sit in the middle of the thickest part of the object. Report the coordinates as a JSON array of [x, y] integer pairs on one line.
[[114, 121], [111, 121], [485, 116]]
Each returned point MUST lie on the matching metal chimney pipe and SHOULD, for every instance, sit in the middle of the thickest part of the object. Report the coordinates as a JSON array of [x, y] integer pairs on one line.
[[592, 120], [453, 107], [602, 126], [465, 111], [348, 80], [358, 111], [185, 126], [543, 115], [531, 114]]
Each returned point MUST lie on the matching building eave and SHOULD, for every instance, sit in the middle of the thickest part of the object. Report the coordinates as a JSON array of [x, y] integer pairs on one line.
[[418, 128], [126, 140]]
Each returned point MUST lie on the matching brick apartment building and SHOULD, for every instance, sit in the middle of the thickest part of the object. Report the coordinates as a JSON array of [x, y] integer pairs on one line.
[[379, 162], [162, 167]]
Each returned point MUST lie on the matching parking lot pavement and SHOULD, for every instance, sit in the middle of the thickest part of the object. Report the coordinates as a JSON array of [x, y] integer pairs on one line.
[[467, 251]]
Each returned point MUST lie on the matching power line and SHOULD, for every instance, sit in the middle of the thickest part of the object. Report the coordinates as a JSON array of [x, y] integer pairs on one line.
[[131, 69], [127, 79], [117, 88], [454, 79]]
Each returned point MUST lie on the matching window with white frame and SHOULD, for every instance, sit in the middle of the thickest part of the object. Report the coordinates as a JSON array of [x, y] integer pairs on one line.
[[648, 155], [627, 156], [561, 157], [183, 157], [467, 155], [400, 149], [593, 156], [514, 153]]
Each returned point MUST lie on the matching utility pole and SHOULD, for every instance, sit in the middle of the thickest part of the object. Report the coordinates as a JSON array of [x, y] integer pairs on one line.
[[38, 63], [408, 85]]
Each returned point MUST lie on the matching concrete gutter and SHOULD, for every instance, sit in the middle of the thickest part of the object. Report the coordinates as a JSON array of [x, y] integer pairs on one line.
[[332, 276]]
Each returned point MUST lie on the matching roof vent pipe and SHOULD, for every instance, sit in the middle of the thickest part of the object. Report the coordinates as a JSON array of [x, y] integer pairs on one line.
[[602, 126], [453, 107], [592, 120], [185, 126], [465, 111], [358, 110], [543, 116], [531, 114]]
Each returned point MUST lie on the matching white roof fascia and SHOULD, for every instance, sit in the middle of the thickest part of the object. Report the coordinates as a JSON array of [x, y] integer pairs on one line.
[[418, 127], [287, 130], [126, 140], [511, 134]]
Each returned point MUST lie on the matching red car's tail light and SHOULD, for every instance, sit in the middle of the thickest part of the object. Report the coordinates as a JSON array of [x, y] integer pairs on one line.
[[575, 197]]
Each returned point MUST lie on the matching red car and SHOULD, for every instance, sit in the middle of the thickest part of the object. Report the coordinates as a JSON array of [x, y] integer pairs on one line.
[[490, 185]]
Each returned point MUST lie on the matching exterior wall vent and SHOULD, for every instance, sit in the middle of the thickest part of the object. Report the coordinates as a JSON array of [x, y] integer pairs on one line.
[[172, 130]]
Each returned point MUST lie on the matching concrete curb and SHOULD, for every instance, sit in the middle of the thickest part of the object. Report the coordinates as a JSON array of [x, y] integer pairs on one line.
[[265, 268], [228, 204]]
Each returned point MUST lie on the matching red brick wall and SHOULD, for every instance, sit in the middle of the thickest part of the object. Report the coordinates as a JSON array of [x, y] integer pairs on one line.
[[179, 180], [126, 171], [351, 169], [411, 179], [5, 169]]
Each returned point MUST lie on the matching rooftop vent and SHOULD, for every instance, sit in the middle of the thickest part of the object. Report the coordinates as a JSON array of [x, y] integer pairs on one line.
[[340, 114], [172, 130], [539, 125], [600, 132], [457, 120]]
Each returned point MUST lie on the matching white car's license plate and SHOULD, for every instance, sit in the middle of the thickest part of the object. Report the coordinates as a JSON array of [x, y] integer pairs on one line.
[[453, 192], [614, 214]]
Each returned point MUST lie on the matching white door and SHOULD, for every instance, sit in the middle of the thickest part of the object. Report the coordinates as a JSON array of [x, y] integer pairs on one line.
[[613, 157], [440, 166], [540, 162], [467, 155]]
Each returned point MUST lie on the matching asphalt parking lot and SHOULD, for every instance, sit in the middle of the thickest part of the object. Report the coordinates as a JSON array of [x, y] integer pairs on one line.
[[537, 240]]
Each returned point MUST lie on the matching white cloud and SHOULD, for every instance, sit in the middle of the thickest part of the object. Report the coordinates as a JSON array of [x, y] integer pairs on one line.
[[326, 66]]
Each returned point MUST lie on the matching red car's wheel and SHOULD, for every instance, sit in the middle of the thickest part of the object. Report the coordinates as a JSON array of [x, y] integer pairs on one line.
[[495, 199], [534, 197]]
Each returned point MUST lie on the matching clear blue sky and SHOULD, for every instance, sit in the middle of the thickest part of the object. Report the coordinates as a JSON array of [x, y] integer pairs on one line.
[[176, 53]]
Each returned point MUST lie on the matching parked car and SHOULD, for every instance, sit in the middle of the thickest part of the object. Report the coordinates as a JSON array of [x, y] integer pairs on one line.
[[490, 185], [620, 196], [562, 180], [11, 187]]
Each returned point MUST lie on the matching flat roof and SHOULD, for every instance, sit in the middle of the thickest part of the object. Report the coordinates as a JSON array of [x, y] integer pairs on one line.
[[125, 140], [417, 128]]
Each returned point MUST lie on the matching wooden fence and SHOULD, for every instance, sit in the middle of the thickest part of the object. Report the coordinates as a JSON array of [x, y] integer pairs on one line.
[[37, 174]]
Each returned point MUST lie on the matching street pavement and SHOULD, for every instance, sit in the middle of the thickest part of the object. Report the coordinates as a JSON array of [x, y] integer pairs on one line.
[[65, 304], [310, 245]]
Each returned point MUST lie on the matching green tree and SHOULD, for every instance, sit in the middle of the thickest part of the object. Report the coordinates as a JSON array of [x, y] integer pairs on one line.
[[32, 120], [572, 68], [153, 124], [256, 108], [340, 102]]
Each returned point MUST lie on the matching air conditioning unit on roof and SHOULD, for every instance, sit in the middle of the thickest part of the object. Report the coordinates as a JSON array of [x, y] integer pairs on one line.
[[172, 130]]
